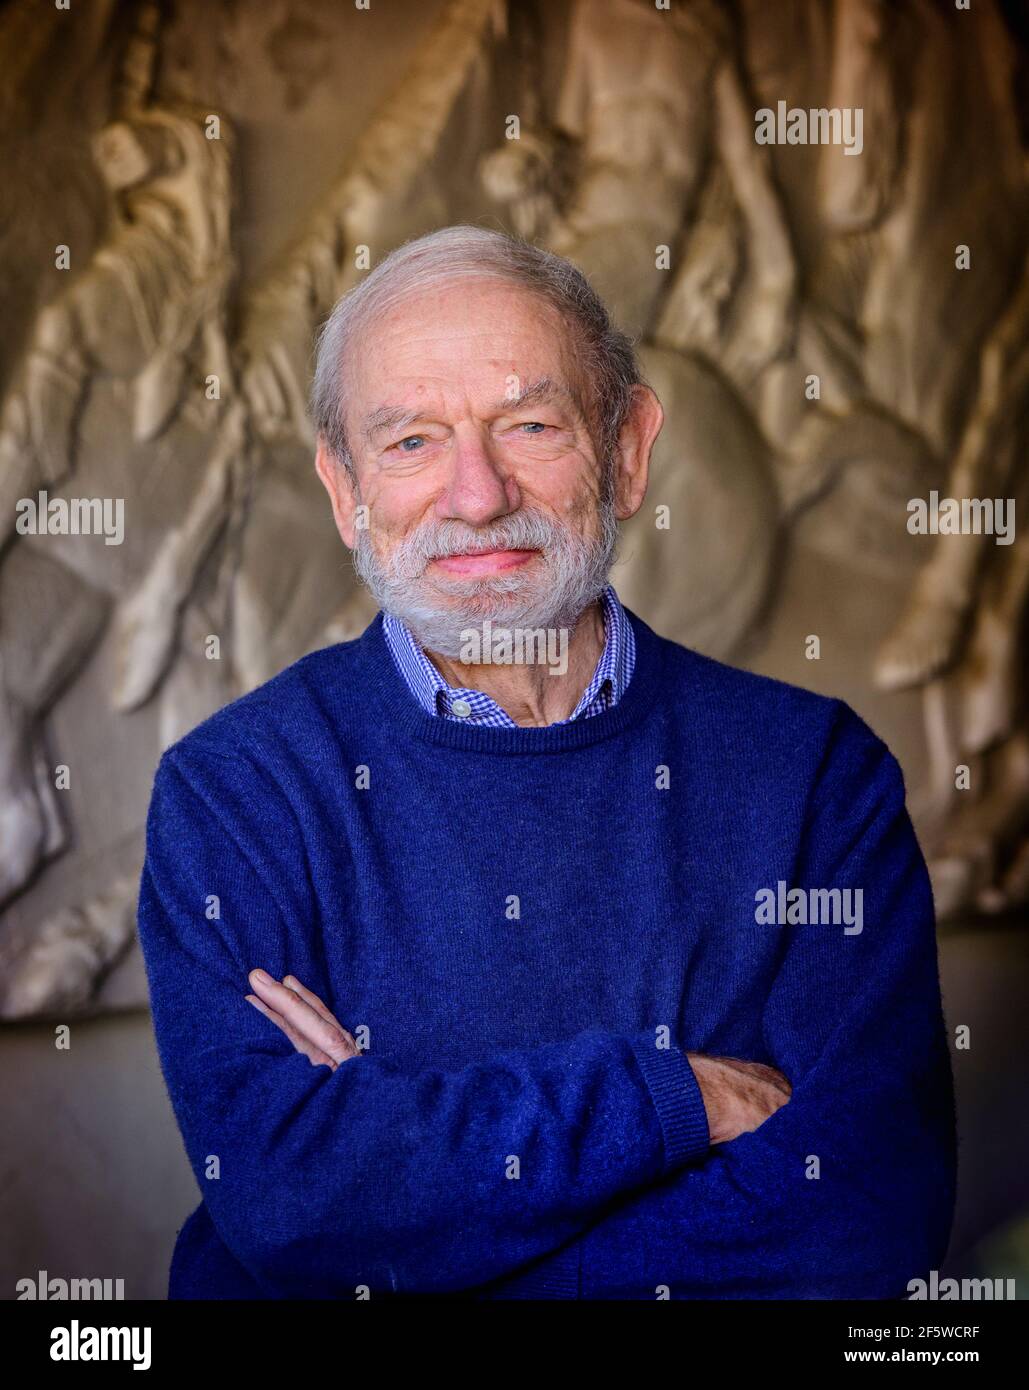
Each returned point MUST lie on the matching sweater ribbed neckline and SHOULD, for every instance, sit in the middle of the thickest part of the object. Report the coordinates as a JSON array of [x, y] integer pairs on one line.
[[401, 710]]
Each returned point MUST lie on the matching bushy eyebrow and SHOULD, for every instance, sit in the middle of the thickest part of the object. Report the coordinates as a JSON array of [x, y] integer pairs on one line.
[[389, 417], [541, 392]]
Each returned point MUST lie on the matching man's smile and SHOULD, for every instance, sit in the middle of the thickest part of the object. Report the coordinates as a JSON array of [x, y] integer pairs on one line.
[[484, 561]]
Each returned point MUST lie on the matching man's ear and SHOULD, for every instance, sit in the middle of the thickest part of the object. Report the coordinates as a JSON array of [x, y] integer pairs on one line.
[[632, 467], [340, 487]]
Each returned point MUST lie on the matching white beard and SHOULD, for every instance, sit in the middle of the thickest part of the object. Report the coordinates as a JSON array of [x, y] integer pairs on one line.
[[569, 574]]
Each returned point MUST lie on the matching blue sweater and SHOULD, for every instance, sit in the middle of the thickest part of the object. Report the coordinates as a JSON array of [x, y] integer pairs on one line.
[[529, 927]]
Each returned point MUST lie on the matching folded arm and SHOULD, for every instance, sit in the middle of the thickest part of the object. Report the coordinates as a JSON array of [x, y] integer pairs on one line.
[[377, 1174], [848, 1190]]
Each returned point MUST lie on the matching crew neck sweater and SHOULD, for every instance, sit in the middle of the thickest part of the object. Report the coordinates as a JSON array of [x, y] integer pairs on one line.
[[527, 929]]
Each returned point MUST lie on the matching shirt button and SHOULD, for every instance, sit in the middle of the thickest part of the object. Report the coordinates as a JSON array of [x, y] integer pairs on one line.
[[461, 708]]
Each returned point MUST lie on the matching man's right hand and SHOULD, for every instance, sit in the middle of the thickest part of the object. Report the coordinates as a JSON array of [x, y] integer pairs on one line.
[[738, 1096]]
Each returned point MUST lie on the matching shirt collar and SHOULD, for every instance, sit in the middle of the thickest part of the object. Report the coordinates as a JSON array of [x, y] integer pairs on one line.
[[606, 686]]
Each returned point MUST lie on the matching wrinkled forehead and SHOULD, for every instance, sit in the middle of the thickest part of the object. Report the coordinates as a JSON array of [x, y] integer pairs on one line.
[[484, 335]]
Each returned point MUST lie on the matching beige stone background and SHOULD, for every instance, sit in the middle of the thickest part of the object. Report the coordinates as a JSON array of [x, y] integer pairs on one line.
[[746, 272]]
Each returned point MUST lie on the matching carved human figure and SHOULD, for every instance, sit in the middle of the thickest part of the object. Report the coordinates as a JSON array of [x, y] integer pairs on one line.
[[147, 310]]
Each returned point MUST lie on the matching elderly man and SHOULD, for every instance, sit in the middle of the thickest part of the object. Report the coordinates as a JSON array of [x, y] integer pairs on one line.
[[512, 950]]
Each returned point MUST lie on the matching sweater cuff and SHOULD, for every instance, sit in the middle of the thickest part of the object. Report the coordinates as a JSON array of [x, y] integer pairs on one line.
[[677, 1098]]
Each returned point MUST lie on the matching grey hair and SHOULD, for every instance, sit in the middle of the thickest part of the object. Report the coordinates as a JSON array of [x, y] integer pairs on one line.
[[607, 356]]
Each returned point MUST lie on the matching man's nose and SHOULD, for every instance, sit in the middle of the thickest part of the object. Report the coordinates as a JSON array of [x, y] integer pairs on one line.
[[478, 489]]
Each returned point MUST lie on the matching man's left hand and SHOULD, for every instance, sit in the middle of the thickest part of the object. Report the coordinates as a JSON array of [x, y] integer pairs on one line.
[[305, 1020]]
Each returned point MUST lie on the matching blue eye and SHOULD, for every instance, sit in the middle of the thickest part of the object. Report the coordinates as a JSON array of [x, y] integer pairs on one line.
[[411, 439], [533, 425]]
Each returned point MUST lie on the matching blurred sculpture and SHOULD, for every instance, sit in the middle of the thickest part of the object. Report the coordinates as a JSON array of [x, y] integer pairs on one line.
[[962, 637], [150, 304], [149, 311]]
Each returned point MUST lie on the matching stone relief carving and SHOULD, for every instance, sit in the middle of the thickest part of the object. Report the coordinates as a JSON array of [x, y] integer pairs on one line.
[[781, 265]]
